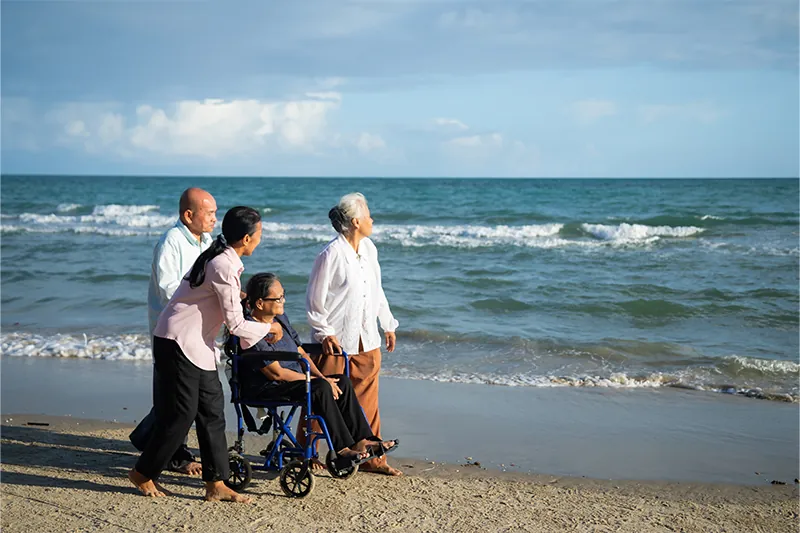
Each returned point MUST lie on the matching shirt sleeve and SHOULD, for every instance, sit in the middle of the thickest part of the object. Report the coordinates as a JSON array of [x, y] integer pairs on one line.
[[226, 285], [168, 270], [388, 322], [318, 285]]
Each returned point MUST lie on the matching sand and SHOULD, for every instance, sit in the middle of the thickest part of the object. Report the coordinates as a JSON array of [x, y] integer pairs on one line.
[[70, 476]]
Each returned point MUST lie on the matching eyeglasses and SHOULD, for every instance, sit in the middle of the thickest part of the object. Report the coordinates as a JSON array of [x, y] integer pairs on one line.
[[281, 298]]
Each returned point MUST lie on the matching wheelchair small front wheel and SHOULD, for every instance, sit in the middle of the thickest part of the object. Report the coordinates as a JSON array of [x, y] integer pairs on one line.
[[297, 481], [341, 473], [241, 473]]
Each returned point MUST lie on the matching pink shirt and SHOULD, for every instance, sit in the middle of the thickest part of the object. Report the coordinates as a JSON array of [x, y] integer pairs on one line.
[[192, 317]]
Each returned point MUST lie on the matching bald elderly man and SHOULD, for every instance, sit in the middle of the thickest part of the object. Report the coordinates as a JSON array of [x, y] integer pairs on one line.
[[176, 251]]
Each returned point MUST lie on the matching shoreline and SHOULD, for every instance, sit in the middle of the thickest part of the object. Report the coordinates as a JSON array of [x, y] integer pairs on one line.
[[70, 475], [667, 435]]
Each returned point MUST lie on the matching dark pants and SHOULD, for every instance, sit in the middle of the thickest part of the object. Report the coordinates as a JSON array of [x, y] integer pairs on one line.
[[343, 417], [141, 435], [182, 394]]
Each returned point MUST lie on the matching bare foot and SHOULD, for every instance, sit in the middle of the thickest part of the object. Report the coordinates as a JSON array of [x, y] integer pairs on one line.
[[191, 469], [146, 486], [316, 464], [217, 491], [384, 469], [353, 455]]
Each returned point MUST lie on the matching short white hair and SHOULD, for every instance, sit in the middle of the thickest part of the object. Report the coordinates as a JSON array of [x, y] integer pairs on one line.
[[353, 205]]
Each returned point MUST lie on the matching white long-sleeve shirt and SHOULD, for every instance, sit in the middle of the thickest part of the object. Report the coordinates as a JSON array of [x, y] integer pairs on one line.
[[173, 256], [345, 296]]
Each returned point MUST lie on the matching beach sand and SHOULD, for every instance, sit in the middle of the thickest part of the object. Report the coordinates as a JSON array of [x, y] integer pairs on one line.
[[69, 475]]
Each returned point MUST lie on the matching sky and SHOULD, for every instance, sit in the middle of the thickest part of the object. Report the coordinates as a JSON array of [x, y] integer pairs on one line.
[[390, 88]]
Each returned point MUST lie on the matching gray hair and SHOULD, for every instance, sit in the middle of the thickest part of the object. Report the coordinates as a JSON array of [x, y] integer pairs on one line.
[[350, 206]]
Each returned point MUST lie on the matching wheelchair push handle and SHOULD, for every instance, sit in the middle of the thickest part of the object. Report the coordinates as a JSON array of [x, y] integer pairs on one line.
[[315, 348]]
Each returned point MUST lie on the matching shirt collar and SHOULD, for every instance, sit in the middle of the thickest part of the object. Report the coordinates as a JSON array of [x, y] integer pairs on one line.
[[205, 238], [234, 258], [349, 253]]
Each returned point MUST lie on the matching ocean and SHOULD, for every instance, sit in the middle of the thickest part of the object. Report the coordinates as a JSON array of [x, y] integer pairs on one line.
[[618, 284]]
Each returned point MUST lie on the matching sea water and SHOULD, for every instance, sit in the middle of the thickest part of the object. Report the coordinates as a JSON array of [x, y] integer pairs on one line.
[[533, 283]]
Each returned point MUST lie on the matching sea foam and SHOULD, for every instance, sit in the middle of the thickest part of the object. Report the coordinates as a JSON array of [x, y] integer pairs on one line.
[[627, 233]]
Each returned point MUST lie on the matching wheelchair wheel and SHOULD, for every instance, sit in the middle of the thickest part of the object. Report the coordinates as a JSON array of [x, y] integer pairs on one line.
[[241, 472], [341, 474], [297, 481]]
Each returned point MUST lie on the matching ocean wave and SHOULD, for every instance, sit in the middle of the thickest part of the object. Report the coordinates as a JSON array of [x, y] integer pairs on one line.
[[740, 375], [741, 364], [120, 347], [627, 233], [112, 220], [616, 380]]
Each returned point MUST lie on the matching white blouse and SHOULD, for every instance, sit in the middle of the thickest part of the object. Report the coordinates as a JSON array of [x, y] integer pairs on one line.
[[345, 296]]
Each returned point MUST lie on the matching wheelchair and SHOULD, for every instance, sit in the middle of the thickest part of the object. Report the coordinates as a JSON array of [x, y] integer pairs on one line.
[[284, 454]]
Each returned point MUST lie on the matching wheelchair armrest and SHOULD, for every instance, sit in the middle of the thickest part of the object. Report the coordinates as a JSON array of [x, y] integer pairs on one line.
[[272, 356], [315, 348]]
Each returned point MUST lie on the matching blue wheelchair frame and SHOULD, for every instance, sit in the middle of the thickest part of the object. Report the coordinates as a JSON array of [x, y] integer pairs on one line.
[[275, 459]]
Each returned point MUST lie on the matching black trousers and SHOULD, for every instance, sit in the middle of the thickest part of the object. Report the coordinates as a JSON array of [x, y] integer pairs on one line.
[[182, 394], [140, 436], [343, 417]]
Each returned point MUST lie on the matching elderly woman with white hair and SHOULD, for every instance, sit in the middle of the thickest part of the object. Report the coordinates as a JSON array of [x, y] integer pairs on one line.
[[344, 301]]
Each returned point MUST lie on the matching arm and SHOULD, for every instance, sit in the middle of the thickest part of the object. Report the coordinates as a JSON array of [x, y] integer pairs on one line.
[[275, 372], [387, 320], [318, 285], [167, 270], [225, 283]]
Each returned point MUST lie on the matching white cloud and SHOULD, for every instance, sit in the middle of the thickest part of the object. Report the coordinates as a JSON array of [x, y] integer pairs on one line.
[[491, 140], [76, 128], [367, 142], [209, 128], [704, 112], [592, 110], [450, 123]]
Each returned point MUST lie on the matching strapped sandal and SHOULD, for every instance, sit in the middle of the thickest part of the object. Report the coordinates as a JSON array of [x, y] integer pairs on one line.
[[381, 449]]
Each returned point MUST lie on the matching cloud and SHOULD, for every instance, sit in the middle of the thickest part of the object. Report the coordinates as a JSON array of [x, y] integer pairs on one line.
[[209, 128], [704, 112], [368, 142], [490, 141], [589, 111], [450, 123]]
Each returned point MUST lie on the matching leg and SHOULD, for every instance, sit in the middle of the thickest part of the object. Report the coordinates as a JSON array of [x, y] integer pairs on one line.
[[142, 433], [182, 460], [176, 394], [210, 422], [350, 409], [364, 370]]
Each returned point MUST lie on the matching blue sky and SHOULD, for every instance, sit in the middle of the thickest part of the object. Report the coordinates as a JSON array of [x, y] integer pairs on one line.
[[540, 88]]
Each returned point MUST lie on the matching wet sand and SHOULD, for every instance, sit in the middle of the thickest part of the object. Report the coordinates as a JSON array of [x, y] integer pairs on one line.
[[657, 435], [68, 474]]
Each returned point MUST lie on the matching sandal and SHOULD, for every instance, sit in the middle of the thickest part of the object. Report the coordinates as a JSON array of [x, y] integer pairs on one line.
[[382, 449]]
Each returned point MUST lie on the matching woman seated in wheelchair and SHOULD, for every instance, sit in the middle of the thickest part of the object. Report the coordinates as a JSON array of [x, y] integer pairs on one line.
[[332, 397]]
